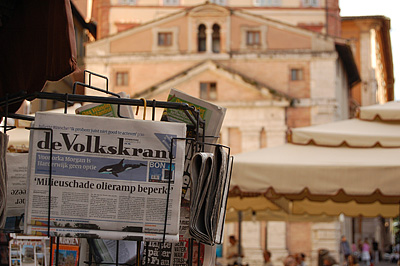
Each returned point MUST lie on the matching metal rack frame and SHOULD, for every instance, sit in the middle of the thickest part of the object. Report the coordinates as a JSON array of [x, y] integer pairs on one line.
[[197, 144]]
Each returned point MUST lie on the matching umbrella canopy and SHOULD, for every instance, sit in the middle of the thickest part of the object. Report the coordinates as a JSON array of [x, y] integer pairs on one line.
[[348, 167]]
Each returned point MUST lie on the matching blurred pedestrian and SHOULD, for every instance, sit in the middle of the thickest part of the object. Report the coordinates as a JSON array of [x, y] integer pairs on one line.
[[303, 259], [234, 258], [290, 261], [344, 249], [352, 261], [375, 250], [329, 261], [365, 255], [267, 258]]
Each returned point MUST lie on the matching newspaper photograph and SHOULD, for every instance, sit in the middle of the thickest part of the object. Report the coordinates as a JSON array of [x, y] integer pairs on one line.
[[107, 174]]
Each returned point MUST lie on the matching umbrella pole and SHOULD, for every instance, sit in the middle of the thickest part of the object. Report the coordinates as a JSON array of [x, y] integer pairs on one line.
[[240, 217]]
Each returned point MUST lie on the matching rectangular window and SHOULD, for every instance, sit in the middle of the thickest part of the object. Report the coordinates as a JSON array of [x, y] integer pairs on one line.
[[219, 2], [208, 90], [253, 38], [310, 3], [267, 2], [296, 74], [122, 79], [164, 38], [127, 2], [171, 2]]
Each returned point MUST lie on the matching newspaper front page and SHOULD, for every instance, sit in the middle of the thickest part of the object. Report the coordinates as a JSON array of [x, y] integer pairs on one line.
[[110, 177]]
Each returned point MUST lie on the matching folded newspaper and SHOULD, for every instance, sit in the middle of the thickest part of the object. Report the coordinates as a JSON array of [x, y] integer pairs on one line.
[[110, 177], [209, 193]]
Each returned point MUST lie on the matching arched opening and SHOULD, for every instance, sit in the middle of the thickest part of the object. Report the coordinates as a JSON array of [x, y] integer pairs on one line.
[[216, 39], [201, 38]]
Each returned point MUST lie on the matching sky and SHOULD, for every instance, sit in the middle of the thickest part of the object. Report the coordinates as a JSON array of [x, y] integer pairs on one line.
[[387, 8]]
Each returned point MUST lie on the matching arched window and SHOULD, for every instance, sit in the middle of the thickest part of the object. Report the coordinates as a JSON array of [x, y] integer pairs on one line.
[[201, 38], [216, 42]]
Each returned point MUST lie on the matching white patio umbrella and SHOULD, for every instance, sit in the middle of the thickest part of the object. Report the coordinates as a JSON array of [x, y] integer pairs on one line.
[[349, 167]]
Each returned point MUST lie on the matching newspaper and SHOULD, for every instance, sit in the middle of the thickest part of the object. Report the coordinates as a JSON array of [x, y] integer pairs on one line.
[[111, 177], [105, 251], [105, 109], [207, 209], [17, 168], [213, 115], [3, 178]]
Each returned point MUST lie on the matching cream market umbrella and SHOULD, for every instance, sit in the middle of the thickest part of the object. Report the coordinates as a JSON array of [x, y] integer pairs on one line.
[[349, 167]]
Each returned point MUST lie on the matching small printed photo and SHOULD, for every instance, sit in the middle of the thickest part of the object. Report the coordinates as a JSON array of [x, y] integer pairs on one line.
[[28, 254], [15, 262], [40, 259], [14, 247], [15, 254], [39, 249]]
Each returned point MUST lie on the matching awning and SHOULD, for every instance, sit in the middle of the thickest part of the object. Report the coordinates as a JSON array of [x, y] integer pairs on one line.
[[328, 173]]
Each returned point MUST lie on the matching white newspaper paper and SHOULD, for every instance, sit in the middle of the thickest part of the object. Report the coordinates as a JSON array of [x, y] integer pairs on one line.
[[108, 175], [17, 170]]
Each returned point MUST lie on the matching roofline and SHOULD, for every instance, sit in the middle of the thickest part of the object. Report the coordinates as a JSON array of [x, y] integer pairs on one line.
[[380, 17], [258, 85], [91, 27]]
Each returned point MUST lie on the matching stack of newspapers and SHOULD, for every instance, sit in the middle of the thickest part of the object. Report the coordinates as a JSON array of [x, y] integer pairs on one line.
[[108, 177], [207, 175], [208, 195]]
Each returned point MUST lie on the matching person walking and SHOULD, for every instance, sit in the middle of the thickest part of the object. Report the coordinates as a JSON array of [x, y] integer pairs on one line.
[[344, 249], [376, 251], [365, 255], [267, 258], [234, 258]]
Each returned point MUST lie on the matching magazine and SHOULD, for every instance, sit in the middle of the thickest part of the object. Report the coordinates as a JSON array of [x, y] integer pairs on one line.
[[213, 115], [68, 252], [110, 177], [106, 109], [28, 251]]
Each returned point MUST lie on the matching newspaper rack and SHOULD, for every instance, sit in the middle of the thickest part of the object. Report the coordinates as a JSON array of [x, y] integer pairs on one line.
[[197, 145]]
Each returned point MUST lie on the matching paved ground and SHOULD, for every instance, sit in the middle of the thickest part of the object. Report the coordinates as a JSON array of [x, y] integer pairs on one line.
[[385, 263]]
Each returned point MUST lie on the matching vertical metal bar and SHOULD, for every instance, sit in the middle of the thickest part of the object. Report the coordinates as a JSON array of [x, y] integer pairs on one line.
[[138, 247], [240, 218], [147, 252], [117, 253], [198, 253], [90, 253], [66, 103], [190, 255], [51, 251], [57, 249], [153, 114], [50, 179], [159, 252], [5, 118]]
